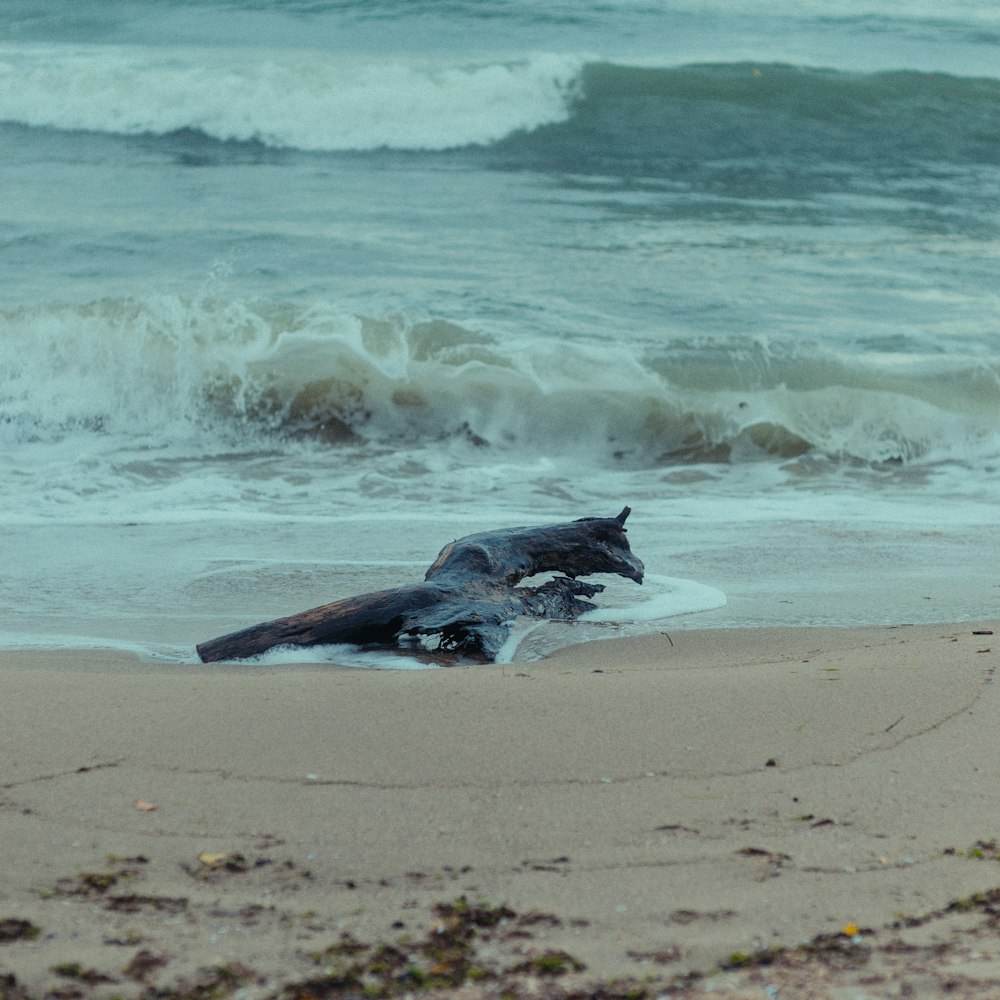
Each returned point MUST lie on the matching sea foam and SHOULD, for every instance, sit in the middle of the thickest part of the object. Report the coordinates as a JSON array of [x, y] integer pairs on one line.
[[208, 375], [298, 99]]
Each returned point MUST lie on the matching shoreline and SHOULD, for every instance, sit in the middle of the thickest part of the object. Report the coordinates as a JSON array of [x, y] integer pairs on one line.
[[652, 809]]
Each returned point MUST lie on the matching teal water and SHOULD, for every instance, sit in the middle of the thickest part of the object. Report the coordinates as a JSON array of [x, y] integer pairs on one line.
[[279, 277]]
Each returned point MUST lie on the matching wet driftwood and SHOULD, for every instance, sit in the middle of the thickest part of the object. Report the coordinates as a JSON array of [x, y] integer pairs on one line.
[[469, 598]]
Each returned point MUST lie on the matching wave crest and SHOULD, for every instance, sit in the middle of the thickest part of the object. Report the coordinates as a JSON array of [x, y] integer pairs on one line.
[[303, 100], [210, 375], [565, 111]]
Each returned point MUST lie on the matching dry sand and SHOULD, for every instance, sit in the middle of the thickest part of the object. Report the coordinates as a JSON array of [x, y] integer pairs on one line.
[[741, 813]]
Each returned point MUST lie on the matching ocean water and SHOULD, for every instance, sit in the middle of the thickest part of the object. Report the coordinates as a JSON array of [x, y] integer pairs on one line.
[[294, 292]]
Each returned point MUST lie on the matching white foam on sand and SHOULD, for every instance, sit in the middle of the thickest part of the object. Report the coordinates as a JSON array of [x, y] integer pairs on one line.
[[669, 596]]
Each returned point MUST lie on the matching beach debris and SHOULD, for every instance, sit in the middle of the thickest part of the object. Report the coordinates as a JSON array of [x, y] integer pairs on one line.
[[469, 598], [136, 903], [213, 860], [81, 974], [988, 849], [555, 962], [775, 860], [550, 865], [225, 861], [16, 929], [10, 989], [465, 945], [99, 882], [143, 964]]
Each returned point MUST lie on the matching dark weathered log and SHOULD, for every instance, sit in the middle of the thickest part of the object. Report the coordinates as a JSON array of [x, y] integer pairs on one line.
[[469, 598]]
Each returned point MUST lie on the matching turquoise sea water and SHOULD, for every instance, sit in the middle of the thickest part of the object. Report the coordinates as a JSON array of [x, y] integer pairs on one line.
[[292, 294]]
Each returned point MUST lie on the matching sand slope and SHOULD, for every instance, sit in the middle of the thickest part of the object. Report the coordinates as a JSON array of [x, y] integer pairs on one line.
[[654, 808]]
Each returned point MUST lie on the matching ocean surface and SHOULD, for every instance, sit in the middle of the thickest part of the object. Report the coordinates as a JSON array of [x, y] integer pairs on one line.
[[294, 292]]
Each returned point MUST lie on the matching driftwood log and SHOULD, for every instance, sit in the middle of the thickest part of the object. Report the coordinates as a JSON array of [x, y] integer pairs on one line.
[[469, 598]]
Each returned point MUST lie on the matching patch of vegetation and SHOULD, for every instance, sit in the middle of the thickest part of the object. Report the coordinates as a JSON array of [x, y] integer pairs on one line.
[[837, 950], [833, 950], [551, 963], [450, 955], [622, 990], [981, 850], [143, 964], [98, 882], [347, 946], [74, 970], [14, 929], [987, 902], [467, 914], [214, 984], [133, 903], [752, 959], [10, 989]]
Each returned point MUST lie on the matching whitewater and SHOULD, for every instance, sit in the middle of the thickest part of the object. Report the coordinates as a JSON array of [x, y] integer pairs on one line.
[[291, 295]]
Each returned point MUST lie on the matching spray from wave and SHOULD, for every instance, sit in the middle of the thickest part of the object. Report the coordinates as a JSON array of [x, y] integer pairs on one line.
[[220, 374]]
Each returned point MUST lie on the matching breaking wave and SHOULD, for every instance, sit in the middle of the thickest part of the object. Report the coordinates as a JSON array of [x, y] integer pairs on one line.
[[571, 111], [297, 100], [219, 374]]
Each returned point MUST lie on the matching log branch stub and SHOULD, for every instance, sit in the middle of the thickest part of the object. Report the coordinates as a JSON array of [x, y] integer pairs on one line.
[[469, 598]]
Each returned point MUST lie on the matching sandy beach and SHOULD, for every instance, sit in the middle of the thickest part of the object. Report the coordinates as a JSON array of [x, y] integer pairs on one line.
[[735, 813]]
